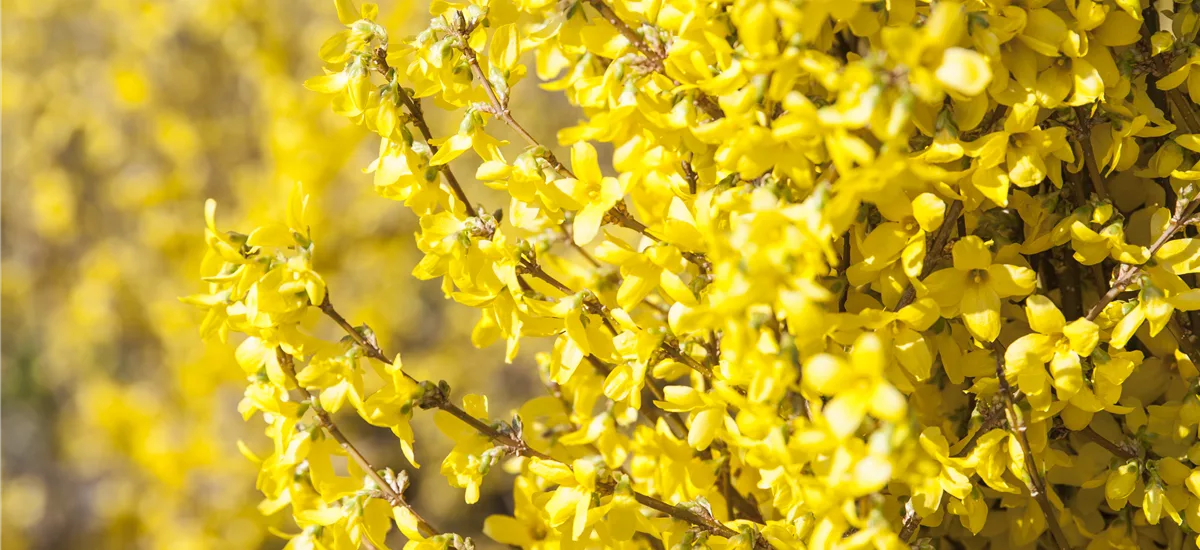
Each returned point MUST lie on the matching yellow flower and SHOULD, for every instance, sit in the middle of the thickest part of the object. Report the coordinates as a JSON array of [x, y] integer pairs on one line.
[[351, 88], [1092, 247], [708, 414], [964, 71], [1185, 73], [953, 476], [1028, 153], [573, 497], [974, 287], [857, 384], [593, 193], [1053, 341], [902, 237], [467, 463]]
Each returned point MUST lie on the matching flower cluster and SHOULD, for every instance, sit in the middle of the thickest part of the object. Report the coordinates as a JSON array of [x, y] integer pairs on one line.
[[867, 275]]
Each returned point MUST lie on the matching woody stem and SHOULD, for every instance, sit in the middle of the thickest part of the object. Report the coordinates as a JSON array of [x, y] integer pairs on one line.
[[287, 363], [517, 445]]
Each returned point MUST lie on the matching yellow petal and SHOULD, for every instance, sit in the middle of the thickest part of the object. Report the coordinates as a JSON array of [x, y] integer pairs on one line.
[[971, 253], [929, 210], [964, 71], [844, 413], [1043, 315], [584, 163], [1083, 335], [981, 312], [587, 223], [507, 530], [505, 48], [451, 149], [1174, 79], [704, 427], [888, 403], [1011, 280], [407, 522], [1067, 372]]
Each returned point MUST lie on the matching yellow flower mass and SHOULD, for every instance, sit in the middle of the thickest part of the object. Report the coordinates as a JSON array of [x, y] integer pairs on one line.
[[813, 274]]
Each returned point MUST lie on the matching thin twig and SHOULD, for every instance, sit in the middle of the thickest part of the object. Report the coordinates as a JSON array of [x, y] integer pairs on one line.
[[912, 521], [992, 420], [436, 398], [1126, 274], [935, 249], [418, 117], [1185, 338], [1089, 156], [535, 269], [843, 265], [1121, 451], [1037, 484], [499, 108], [287, 363], [674, 353], [1187, 116], [689, 173], [656, 57]]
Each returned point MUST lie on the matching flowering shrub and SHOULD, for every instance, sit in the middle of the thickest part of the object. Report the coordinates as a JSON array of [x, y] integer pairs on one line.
[[867, 275]]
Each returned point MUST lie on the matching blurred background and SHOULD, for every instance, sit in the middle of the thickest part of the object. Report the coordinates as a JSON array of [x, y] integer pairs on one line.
[[119, 426]]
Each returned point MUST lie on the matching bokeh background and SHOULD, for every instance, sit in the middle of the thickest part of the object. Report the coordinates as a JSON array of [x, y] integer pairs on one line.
[[119, 118]]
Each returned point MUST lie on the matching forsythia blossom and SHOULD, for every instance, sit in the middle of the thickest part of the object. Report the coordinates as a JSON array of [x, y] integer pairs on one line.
[[851, 267]]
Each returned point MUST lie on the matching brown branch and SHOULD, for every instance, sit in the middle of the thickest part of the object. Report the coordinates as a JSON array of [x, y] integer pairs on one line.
[[1089, 156], [992, 420], [705, 522], [1159, 68], [1037, 484], [390, 494], [675, 353], [571, 242], [689, 173], [418, 117], [843, 266], [535, 269], [1185, 338], [912, 521], [499, 108], [935, 250], [1072, 293], [1120, 451], [656, 57], [1126, 273], [437, 398]]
